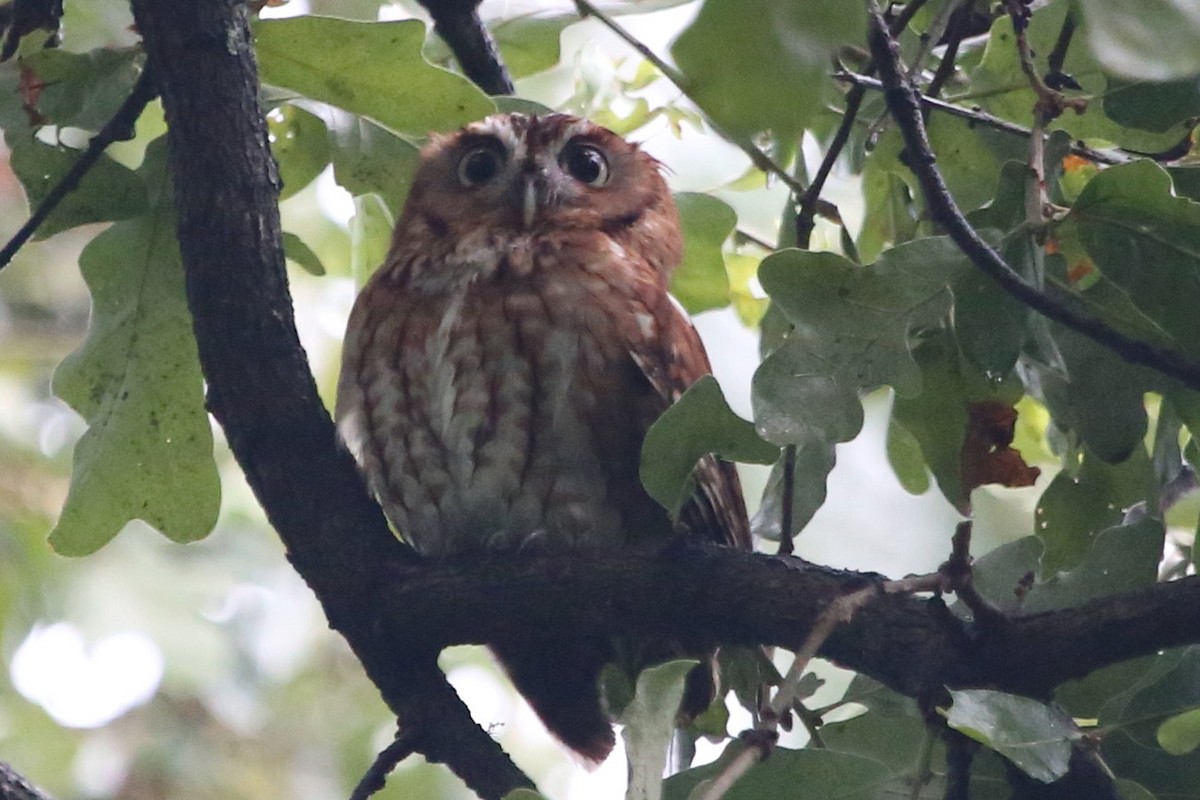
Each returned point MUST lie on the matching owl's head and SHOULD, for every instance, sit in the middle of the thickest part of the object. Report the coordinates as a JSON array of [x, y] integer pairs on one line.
[[526, 173]]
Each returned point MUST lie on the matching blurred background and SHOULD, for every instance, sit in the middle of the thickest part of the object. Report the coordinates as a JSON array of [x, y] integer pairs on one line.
[[157, 670]]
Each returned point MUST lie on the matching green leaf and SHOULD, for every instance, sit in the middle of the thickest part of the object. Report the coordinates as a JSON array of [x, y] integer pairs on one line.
[[649, 722], [1180, 734], [1186, 181], [1076, 506], [147, 453], [970, 157], [747, 301], [1097, 396], [530, 43], [301, 254], [83, 90], [999, 85], [701, 282], [699, 423], [1167, 684], [787, 773], [854, 330], [814, 462], [1151, 39], [1132, 747], [109, 191], [799, 397], [745, 671], [1147, 241], [300, 144], [858, 319], [998, 573], [370, 68], [890, 215], [891, 732], [1122, 557], [369, 159], [937, 417], [370, 236], [741, 57], [904, 454], [991, 326], [1152, 106], [1034, 736], [1129, 790]]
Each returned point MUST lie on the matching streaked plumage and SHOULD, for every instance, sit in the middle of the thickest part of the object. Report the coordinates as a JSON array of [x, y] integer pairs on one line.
[[501, 368]]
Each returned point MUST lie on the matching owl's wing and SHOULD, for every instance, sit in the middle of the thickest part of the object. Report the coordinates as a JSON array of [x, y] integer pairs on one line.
[[672, 358]]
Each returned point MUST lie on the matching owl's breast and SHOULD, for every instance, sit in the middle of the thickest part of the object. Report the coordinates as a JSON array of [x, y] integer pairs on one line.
[[500, 412]]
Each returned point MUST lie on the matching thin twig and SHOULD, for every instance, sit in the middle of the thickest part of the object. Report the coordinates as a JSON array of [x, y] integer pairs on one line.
[[1059, 54], [761, 740], [957, 29], [1050, 102], [400, 748], [929, 39], [904, 103], [906, 16], [807, 202], [1038, 209], [923, 770], [757, 157], [743, 236], [975, 115], [118, 128], [787, 500], [960, 577]]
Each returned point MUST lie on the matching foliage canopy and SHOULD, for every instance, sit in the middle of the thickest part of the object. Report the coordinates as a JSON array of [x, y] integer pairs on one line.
[[1065, 136]]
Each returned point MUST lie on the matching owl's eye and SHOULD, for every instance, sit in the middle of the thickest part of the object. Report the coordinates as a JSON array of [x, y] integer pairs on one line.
[[479, 166], [585, 163]]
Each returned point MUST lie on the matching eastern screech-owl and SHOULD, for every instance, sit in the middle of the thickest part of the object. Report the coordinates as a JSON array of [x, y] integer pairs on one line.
[[503, 365]]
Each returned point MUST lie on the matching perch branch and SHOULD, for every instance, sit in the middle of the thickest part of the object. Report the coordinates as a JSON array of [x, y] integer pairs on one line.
[[713, 594], [904, 104], [118, 128]]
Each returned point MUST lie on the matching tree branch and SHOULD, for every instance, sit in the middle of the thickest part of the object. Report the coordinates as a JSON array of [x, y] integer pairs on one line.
[[713, 594], [976, 116], [459, 25], [259, 385], [904, 104], [13, 786]]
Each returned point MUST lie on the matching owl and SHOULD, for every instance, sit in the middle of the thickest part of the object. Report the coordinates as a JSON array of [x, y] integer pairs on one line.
[[501, 368]]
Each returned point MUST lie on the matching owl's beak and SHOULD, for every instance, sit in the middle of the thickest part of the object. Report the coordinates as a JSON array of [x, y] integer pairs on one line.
[[529, 201]]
